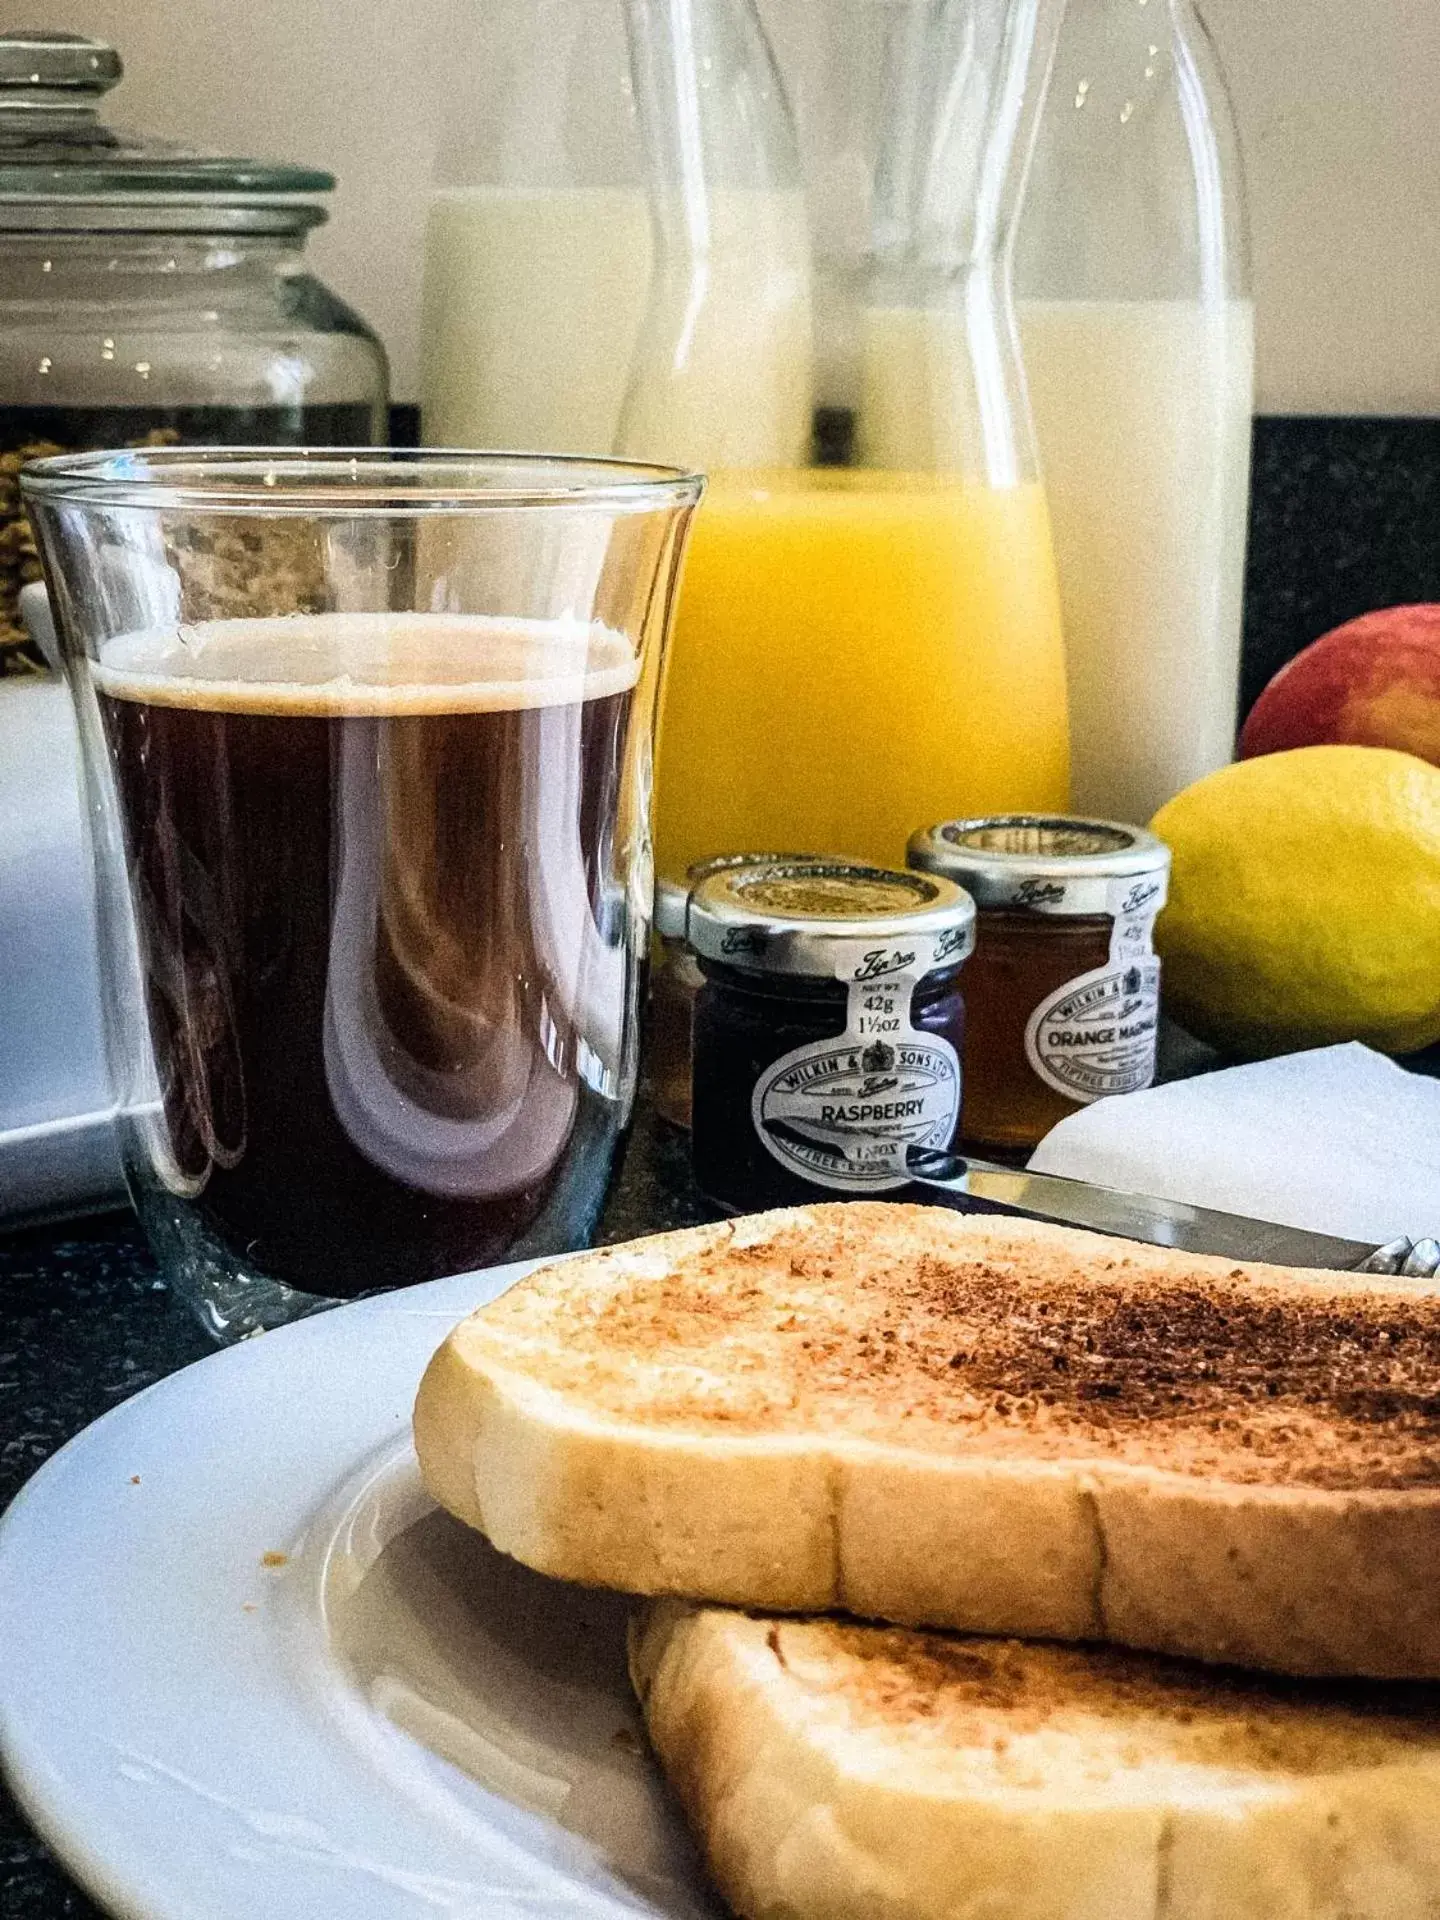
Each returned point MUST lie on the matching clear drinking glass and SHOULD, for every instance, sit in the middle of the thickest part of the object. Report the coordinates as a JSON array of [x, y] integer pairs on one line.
[[368, 748]]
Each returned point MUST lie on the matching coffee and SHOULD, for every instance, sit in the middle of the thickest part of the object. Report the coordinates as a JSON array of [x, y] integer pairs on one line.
[[380, 879]]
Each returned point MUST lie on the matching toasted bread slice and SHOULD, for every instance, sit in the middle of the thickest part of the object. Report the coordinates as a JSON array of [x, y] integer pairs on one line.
[[832, 1770], [977, 1423]]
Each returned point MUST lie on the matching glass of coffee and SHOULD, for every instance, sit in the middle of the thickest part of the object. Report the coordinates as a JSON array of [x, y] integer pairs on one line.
[[367, 744]]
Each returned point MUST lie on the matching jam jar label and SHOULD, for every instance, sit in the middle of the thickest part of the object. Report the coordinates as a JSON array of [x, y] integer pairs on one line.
[[1096, 1035], [842, 1113]]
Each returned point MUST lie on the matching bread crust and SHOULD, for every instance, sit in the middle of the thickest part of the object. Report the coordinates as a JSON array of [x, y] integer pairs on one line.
[[814, 1515], [1325, 1584], [810, 1806]]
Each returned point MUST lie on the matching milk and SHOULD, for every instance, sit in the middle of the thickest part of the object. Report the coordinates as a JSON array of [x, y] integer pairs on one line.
[[1143, 414], [723, 375], [939, 389], [532, 304], [532, 319]]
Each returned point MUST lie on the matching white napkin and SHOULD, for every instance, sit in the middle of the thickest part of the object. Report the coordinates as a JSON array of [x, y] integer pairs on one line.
[[1339, 1140]]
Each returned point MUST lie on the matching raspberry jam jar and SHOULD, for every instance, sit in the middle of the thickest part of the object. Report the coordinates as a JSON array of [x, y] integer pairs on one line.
[[1063, 991], [828, 1028], [675, 981]]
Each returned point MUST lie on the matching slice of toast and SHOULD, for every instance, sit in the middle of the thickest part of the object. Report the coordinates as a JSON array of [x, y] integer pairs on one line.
[[968, 1422], [832, 1770]]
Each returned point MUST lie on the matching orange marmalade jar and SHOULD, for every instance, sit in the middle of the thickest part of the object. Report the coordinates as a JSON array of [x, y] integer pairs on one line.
[[1062, 992]]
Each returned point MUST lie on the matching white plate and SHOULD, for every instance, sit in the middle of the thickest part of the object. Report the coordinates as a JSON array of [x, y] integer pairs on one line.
[[394, 1721]]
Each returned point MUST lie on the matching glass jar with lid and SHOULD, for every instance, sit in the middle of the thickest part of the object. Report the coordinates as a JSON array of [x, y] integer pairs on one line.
[[675, 978], [828, 1029], [150, 294], [1063, 992]]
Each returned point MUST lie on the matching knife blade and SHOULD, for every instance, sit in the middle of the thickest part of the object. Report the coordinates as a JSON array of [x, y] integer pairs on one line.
[[1132, 1216]]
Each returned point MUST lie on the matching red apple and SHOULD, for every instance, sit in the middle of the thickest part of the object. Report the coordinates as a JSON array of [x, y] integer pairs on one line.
[[1375, 682]]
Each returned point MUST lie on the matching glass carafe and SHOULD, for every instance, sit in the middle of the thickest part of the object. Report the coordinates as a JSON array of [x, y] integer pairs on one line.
[[617, 210], [1133, 287], [868, 638]]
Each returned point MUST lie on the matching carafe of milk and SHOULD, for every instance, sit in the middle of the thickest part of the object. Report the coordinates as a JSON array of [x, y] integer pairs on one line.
[[1137, 330], [617, 211], [538, 236], [868, 635]]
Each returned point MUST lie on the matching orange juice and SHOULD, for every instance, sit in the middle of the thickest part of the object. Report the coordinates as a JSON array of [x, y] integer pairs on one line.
[[858, 654]]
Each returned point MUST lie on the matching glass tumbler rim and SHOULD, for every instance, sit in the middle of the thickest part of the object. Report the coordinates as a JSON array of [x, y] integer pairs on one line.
[[353, 481]]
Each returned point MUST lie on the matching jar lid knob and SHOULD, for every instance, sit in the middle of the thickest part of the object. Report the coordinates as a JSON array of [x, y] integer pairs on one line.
[[44, 57]]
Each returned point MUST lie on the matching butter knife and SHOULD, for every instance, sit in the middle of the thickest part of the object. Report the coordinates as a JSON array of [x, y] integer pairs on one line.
[[1160, 1223]]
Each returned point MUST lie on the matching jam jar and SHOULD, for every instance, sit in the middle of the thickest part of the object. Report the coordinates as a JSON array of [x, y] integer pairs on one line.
[[828, 1029], [1063, 991], [675, 981]]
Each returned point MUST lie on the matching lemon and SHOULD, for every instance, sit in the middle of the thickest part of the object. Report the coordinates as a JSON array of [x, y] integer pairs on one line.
[[1305, 902]]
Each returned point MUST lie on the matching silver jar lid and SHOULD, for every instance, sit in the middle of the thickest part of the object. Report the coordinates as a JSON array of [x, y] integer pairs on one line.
[[790, 917], [1053, 863], [672, 897]]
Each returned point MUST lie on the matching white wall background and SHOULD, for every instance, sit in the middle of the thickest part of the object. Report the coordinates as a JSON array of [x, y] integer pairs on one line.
[[1335, 99]]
